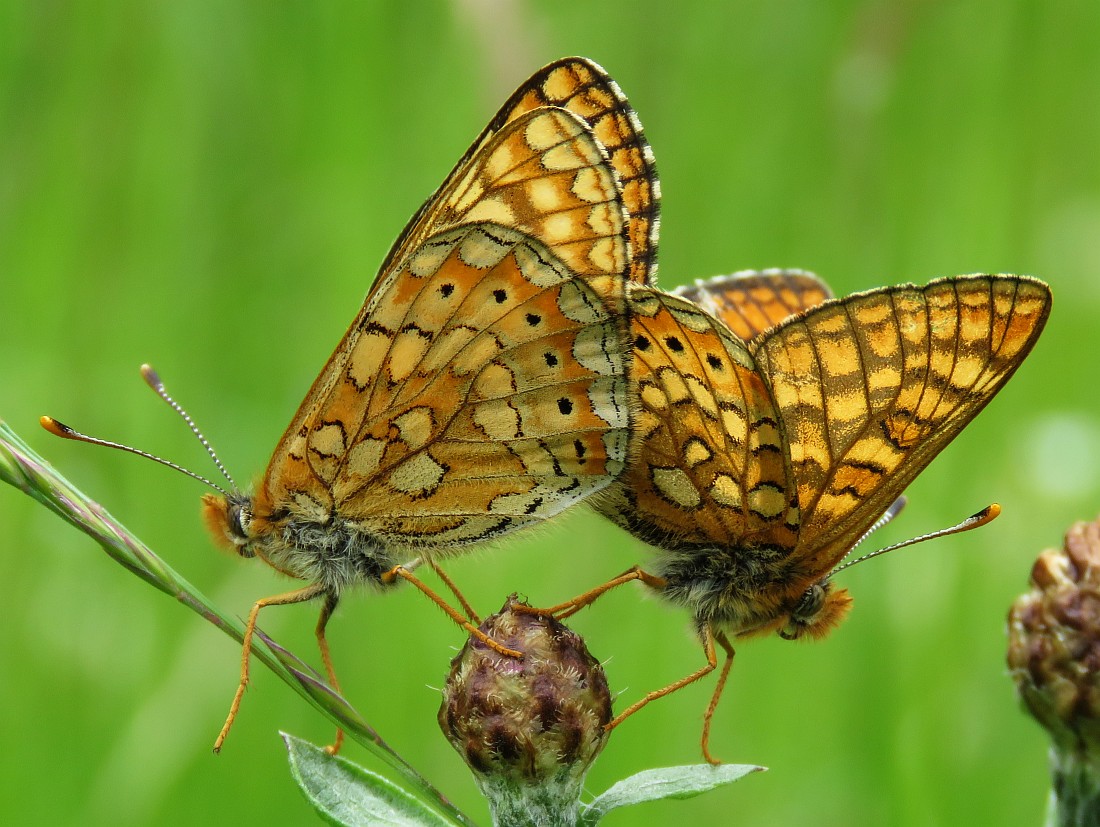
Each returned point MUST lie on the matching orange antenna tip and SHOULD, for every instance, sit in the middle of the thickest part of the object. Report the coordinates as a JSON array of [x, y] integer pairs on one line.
[[983, 517], [987, 515], [62, 430], [56, 428]]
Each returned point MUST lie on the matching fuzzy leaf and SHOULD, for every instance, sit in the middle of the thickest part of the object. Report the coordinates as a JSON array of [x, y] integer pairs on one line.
[[346, 794], [666, 782]]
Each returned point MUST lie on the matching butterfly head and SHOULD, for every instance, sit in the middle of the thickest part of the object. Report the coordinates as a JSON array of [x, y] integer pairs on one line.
[[229, 519], [820, 610]]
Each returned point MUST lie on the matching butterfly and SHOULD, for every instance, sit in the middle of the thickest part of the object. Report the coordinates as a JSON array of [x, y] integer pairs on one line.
[[482, 388], [760, 464]]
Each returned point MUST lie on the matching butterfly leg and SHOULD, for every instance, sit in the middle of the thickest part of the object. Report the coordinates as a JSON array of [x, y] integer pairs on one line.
[[712, 662], [723, 641], [571, 607], [459, 596], [327, 609], [298, 596], [453, 614]]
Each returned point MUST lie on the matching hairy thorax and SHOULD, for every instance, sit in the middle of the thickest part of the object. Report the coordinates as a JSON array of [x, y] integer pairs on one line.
[[328, 550], [735, 589], [749, 591]]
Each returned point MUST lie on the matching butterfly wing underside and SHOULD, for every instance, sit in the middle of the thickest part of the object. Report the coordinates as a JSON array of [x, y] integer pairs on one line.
[[752, 301], [482, 386], [583, 88], [710, 467], [872, 387]]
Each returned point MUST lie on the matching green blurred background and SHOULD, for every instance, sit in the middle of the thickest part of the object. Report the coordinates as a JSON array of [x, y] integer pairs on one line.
[[210, 186]]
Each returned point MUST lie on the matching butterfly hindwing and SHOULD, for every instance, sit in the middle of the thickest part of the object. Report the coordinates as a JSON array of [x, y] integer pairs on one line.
[[493, 442], [710, 467]]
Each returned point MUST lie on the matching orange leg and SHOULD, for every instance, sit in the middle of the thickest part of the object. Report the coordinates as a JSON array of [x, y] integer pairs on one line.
[[326, 612], [571, 607], [453, 614], [710, 638], [712, 662], [459, 596], [298, 596], [723, 641]]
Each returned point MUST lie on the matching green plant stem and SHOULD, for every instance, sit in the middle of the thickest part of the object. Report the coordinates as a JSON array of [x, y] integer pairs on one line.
[[22, 468], [553, 803], [1075, 789]]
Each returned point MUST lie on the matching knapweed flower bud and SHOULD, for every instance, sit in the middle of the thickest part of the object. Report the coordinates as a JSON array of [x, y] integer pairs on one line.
[[1054, 640], [528, 727], [1054, 658]]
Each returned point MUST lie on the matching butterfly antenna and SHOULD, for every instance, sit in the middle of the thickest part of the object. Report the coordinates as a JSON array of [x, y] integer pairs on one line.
[[887, 516], [65, 432], [153, 380], [983, 517]]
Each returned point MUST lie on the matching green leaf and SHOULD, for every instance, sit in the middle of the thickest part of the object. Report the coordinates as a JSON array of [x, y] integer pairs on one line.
[[346, 794], [666, 782]]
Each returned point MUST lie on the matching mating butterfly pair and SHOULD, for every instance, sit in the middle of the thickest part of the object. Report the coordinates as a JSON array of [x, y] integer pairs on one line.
[[513, 358]]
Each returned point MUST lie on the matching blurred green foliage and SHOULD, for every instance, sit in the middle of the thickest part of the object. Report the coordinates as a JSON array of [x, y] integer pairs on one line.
[[209, 187]]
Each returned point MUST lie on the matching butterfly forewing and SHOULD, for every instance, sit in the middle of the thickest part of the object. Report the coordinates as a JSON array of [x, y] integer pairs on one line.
[[544, 174], [872, 387], [752, 301], [711, 467], [583, 88]]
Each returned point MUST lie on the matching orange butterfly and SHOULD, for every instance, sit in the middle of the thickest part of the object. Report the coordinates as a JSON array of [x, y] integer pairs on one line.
[[483, 386], [760, 465]]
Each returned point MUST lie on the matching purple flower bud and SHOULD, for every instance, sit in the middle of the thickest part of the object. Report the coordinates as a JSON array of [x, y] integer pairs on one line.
[[528, 727]]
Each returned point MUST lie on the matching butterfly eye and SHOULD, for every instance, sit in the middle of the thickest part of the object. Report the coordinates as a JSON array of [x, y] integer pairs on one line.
[[239, 518], [818, 611], [806, 612]]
